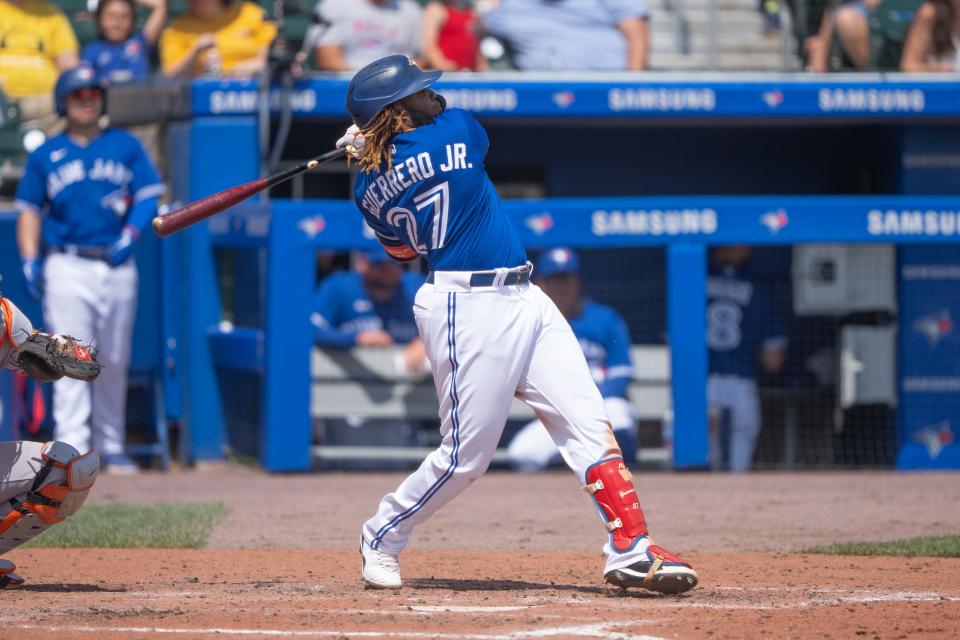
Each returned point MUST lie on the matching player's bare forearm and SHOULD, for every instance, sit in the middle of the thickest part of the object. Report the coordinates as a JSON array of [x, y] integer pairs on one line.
[[28, 233]]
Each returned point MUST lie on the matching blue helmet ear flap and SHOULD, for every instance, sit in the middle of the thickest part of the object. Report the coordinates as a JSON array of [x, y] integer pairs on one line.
[[382, 83]]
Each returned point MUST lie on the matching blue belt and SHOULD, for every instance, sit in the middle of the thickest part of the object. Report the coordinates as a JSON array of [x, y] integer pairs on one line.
[[517, 276], [88, 253]]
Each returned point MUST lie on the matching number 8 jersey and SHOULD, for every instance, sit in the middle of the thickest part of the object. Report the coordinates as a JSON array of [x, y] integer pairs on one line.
[[437, 199]]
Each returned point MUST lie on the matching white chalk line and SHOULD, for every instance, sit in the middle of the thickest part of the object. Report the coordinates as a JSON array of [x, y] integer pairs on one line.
[[600, 630], [853, 597]]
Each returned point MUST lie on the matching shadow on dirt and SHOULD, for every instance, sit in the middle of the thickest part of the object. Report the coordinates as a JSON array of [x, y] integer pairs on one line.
[[70, 588], [455, 584]]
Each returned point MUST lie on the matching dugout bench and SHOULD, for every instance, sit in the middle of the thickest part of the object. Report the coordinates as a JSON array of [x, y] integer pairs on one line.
[[367, 382]]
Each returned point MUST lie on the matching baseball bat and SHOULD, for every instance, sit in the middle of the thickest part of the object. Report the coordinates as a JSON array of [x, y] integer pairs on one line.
[[202, 209]]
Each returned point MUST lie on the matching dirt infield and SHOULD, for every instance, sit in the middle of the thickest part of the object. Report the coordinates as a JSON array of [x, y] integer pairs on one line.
[[529, 566]]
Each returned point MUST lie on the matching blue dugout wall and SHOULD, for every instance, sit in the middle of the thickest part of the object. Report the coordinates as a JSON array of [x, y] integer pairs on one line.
[[218, 148]]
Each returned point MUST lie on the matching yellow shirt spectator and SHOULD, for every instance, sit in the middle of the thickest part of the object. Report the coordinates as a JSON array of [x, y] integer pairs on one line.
[[233, 43], [36, 42]]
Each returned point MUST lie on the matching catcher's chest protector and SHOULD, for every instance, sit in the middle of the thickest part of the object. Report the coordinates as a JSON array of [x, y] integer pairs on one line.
[[40, 485], [15, 327]]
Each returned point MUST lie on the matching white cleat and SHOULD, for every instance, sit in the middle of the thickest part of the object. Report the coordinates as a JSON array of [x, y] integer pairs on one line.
[[380, 570]]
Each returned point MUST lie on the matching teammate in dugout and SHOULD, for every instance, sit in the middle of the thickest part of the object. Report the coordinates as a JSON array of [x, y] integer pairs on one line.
[[41, 484], [91, 191], [743, 331], [369, 307], [490, 335], [605, 342]]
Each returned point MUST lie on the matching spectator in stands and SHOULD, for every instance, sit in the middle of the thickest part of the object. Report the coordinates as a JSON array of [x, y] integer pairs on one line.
[[450, 36], [573, 35], [743, 332], [350, 34], [36, 44], [122, 54], [605, 341], [371, 306], [217, 38], [848, 22], [933, 42]]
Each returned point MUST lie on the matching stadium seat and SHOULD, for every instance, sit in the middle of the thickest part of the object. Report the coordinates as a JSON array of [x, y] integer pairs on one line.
[[889, 22]]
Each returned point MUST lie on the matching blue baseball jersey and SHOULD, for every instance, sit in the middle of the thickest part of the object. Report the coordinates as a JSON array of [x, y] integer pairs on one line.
[[86, 194], [436, 197], [342, 310], [743, 316], [605, 341], [119, 62]]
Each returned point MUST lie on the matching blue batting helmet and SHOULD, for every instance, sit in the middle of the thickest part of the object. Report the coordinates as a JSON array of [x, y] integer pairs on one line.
[[382, 83], [80, 77]]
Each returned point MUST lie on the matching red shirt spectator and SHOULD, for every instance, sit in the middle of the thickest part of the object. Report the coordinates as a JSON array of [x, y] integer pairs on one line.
[[450, 38]]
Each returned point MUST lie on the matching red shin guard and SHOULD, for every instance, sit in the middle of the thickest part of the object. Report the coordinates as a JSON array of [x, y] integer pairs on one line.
[[611, 485]]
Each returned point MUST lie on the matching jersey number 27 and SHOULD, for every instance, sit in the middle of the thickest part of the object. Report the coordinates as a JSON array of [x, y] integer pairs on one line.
[[437, 197]]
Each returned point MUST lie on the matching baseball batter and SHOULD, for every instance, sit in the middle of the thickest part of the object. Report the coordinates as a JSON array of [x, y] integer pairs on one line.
[[41, 484], [92, 190], [489, 333], [605, 342], [743, 330]]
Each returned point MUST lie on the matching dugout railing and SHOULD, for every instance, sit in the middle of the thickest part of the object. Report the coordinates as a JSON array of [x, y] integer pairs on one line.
[[218, 148]]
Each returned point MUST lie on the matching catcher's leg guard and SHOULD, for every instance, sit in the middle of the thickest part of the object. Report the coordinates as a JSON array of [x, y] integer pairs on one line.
[[632, 558], [40, 485]]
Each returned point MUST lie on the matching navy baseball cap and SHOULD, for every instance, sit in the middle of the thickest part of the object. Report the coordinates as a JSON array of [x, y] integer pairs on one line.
[[558, 260], [375, 256]]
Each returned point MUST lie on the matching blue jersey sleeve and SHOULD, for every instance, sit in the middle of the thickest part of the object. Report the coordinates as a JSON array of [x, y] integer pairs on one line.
[[31, 191], [619, 366], [326, 317]]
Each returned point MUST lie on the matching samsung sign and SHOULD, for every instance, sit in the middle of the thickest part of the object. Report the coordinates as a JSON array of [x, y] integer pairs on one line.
[[913, 222], [654, 222], [662, 100], [871, 100], [503, 100], [246, 101]]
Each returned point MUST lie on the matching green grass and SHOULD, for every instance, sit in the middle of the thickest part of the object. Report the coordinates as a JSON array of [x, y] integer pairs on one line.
[[161, 526], [942, 547]]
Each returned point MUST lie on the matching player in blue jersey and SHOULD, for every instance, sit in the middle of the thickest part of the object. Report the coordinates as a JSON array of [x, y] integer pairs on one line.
[[605, 341], [84, 198], [744, 331], [490, 334], [369, 307]]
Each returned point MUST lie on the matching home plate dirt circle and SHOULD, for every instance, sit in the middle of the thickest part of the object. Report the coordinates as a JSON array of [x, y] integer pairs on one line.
[[480, 595]]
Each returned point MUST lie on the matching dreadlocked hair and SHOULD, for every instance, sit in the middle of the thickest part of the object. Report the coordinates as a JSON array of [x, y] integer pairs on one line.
[[379, 134]]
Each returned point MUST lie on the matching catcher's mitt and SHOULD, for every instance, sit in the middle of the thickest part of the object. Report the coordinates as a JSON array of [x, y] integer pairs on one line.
[[47, 357]]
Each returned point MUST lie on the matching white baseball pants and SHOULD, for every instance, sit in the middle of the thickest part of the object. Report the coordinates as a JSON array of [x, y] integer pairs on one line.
[[487, 345], [739, 396], [90, 300], [532, 448]]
